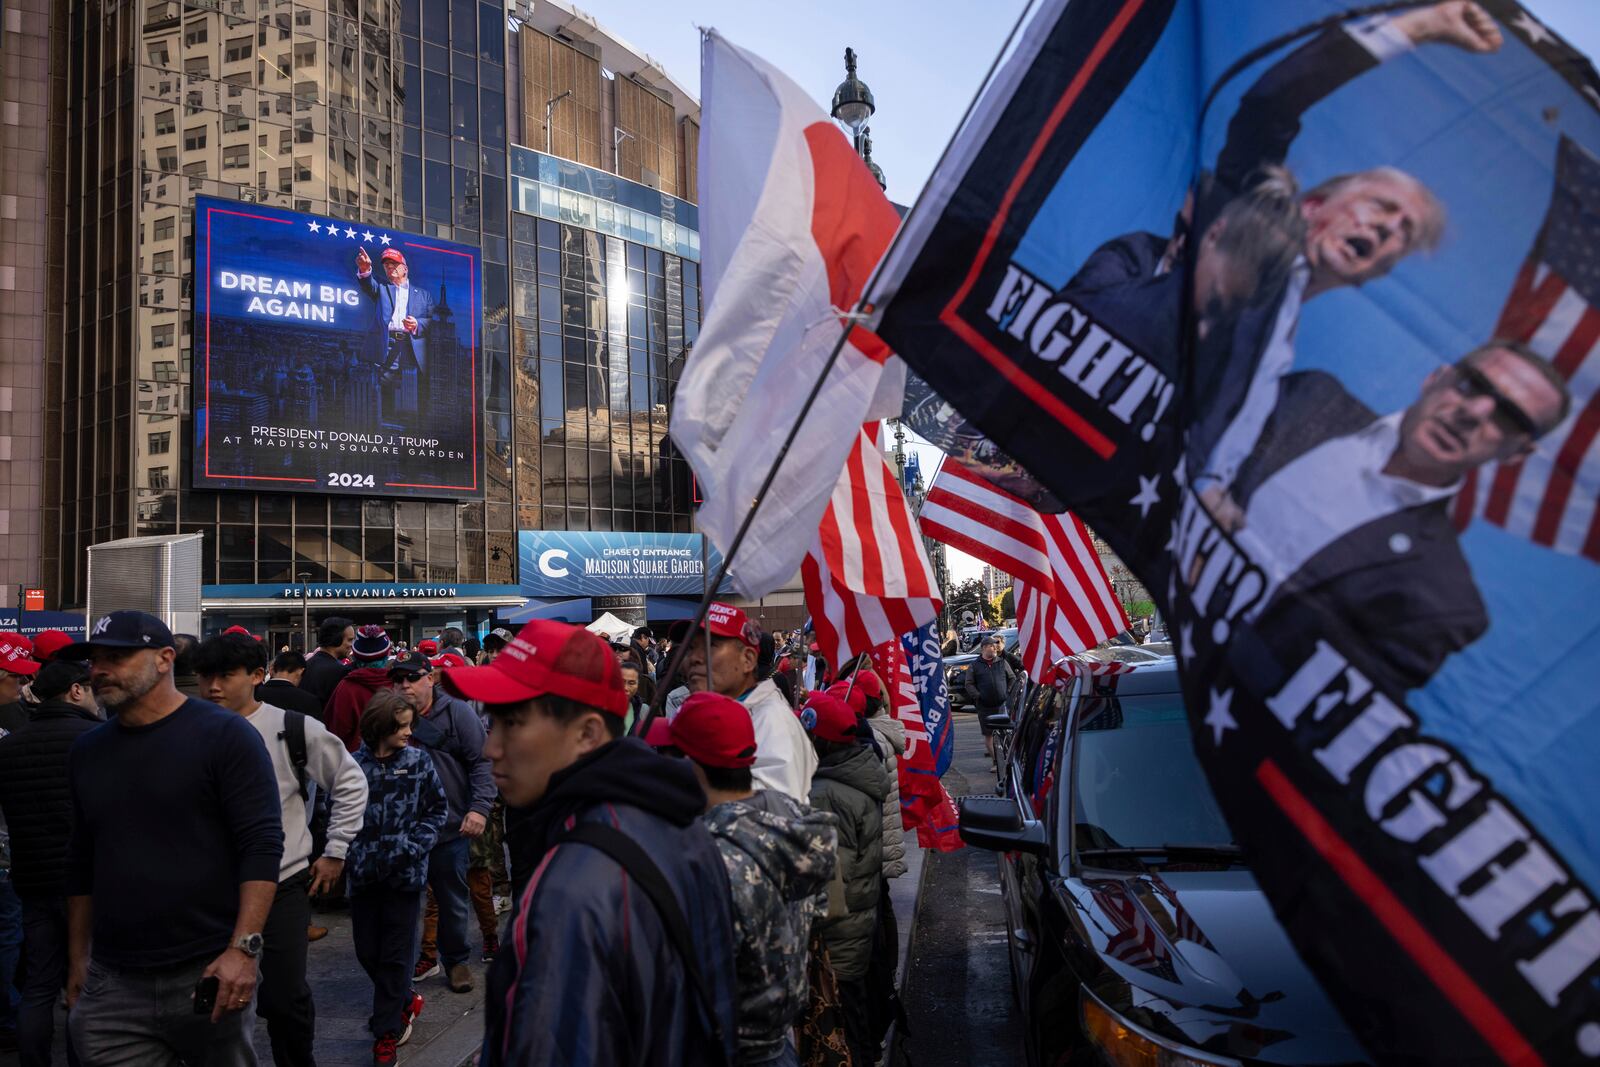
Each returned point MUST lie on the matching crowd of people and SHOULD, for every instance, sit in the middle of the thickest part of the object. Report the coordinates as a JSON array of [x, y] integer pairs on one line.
[[699, 885]]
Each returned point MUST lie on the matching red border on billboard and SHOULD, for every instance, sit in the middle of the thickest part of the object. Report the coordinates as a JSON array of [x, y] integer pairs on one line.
[[472, 356]]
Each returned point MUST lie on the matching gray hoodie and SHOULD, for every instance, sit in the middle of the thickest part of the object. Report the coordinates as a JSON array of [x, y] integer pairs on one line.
[[779, 858]]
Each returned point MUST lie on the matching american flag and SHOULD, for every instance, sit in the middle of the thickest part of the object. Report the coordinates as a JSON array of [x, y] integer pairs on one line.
[[867, 577], [1554, 308], [1064, 600]]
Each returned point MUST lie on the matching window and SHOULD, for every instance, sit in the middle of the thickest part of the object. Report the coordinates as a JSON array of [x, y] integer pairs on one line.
[[164, 228], [235, 156], [158, 478], [166, 122], [235, 124], [161, 336], [239, 48], [161, 263], [159, 56], [194, 138], [165, 370], [161, 443], [195, 32], [167, 160]]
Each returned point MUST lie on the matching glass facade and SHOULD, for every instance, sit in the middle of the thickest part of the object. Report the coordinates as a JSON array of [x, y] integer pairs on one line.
[[384, 112], [601, 326]]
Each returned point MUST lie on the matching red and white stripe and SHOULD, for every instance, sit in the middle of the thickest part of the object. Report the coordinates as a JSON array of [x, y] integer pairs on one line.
[[867, 577], [792, 225], [1064, 600]]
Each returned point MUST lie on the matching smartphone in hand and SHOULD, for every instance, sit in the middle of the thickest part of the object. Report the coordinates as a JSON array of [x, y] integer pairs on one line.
[[205, 994]]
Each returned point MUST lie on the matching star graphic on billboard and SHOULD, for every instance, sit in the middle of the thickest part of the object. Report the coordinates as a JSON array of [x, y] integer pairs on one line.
[[348, 232], [333, 231], [384, 239], [316, 227], [367, 236]]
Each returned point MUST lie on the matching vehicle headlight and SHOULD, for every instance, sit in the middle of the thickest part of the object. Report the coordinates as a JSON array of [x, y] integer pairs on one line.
[[1126, 1045]]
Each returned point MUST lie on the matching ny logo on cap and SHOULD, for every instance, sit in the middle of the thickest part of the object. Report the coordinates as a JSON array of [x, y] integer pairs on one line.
[[102, 625]]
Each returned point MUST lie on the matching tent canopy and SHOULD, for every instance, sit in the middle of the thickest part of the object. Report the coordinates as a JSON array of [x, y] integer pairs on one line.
[[611, 627]]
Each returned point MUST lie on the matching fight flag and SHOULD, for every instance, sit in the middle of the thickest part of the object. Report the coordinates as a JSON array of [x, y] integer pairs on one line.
[[1248, 288]]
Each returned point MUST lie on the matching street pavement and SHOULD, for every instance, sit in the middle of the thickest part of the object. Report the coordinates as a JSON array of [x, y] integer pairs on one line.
[[957, 984]]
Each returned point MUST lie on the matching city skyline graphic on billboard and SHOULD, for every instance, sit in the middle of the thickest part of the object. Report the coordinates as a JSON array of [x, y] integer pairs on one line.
[[333, 356]]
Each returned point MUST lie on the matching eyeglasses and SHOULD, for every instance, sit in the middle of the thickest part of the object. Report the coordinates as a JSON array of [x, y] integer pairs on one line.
[[1471, 383], [407, 677]]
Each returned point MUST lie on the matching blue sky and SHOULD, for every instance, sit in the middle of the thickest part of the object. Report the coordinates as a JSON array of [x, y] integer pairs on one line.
[[923, 61]]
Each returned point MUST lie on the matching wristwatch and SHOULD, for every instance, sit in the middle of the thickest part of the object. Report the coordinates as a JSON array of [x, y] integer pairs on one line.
[[249, 944]]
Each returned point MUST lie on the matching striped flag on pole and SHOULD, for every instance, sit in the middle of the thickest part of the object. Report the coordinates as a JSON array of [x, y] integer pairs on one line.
[[867, 577], [1064, 599], [1554, 308]]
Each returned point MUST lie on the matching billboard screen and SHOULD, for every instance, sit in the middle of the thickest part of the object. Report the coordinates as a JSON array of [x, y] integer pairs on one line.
[[332, 356]]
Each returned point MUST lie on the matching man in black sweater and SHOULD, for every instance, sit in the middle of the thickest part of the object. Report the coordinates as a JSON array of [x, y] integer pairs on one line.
[[38, 807], [173, 863], [326, 667]]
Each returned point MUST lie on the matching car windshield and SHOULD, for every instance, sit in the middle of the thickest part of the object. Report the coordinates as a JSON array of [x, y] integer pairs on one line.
[[1137, 782]]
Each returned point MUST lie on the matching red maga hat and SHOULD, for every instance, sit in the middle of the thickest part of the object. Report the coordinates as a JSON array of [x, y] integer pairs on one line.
[[547, 658], [16, 654], [827, 717], [391, 255], [715, 731], [428, 647], [724, 620], [46, 643]]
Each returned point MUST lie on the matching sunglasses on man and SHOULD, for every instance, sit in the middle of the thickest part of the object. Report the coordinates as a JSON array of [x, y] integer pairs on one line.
[[1471, 383], [407, 677]]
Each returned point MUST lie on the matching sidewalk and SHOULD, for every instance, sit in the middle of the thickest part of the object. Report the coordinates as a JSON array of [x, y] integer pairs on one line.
[[448, 1031]]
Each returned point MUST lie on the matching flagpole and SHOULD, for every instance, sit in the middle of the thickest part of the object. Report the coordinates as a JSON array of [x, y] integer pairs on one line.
[[863, 305]]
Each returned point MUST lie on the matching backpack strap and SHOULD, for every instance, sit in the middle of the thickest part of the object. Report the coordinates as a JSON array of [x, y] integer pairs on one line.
[[637, 863], [294, 739]]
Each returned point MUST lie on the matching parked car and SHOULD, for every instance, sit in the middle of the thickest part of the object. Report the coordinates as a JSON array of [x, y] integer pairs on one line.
[[1137, 932], [1131, 654], [955, 667]]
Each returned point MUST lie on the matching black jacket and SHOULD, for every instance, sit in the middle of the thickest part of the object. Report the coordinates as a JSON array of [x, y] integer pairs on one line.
[[588, 974], [1398, 587], [289, 697], [323, 674], [35, 797], [988, 684]]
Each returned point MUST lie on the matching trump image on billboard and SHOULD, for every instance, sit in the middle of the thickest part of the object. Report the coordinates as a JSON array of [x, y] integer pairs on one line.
[[333, 356]]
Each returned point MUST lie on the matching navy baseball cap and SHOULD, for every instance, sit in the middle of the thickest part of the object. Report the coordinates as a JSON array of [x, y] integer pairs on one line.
[[121, 629]]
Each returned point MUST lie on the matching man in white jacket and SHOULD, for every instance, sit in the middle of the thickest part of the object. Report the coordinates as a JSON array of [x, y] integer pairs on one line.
[[229, 668], [735, 650]]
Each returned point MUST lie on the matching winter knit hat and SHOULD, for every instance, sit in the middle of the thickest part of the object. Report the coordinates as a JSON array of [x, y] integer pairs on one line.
[[372, 644]]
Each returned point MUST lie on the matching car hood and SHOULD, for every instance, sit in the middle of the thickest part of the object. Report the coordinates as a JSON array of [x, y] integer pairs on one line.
[[959, 661], [1198, 957]]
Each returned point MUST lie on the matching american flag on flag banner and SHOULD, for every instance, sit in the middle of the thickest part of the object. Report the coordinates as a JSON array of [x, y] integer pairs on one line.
[[1554, 308], [867, 577], [1064, 599]]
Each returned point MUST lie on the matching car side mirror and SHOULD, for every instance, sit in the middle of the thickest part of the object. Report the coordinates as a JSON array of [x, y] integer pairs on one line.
[[996, 824]]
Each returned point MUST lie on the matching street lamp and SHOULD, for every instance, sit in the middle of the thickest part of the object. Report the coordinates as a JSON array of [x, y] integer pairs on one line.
[[550, 106], [305, 612], [852, 101]]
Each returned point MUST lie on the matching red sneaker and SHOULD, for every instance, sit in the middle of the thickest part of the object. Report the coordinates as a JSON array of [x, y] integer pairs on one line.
[[427, 967], [383, 1053], [408, 1015]]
